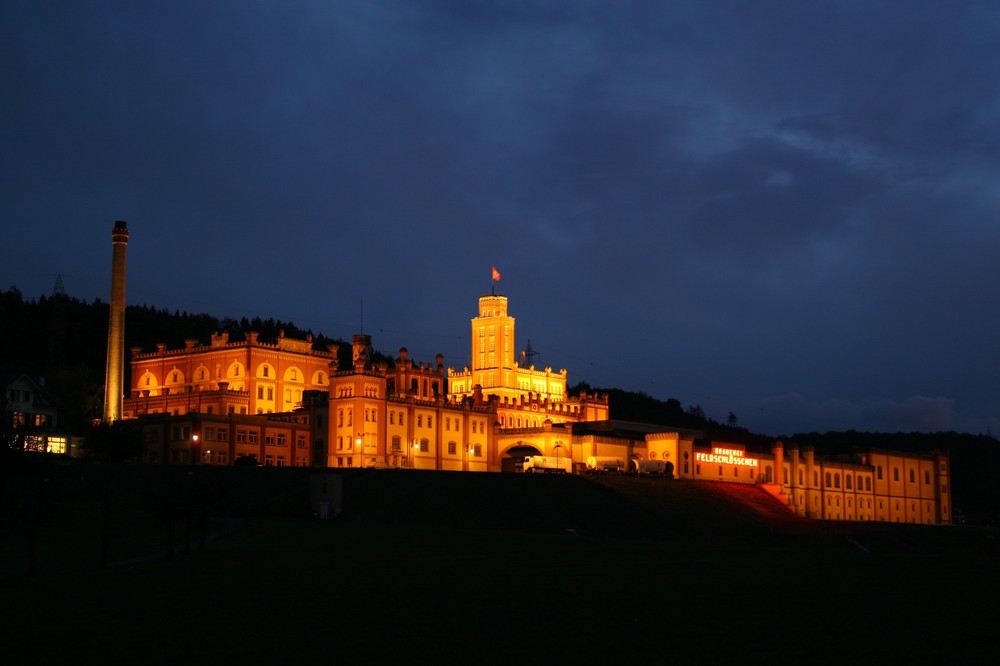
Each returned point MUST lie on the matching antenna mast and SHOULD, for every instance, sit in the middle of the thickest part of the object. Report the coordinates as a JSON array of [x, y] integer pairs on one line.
[[528, 356]]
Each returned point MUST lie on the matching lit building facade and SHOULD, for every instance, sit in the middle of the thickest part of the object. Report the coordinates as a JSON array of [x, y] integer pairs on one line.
[[873, 485], [274, 401], [401, 417], [279, 440], [244, 377]]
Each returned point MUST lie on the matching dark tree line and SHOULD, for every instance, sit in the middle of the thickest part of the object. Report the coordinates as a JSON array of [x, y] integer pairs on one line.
[[640, 407], [63, 340]]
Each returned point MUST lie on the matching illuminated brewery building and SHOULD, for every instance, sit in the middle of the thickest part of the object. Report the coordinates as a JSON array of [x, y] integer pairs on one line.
[[287, 403], [228, 399]]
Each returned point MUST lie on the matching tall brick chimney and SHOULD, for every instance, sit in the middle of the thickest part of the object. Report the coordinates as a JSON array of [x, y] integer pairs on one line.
[[114, 379]]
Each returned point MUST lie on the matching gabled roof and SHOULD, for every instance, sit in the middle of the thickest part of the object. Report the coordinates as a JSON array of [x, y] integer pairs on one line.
[[40, 394]]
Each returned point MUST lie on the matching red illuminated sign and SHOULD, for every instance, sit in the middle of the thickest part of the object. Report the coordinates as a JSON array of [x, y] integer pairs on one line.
[[727, 456]]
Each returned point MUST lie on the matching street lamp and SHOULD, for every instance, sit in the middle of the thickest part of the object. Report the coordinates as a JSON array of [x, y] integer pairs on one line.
[[194, 448]]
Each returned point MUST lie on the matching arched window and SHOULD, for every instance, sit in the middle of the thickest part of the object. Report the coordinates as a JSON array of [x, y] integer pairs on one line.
[[827, 479], [895, 474]]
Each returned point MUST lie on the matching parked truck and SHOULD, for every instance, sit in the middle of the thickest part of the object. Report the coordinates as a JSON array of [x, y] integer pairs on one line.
[[646, 467], [605, 464], [548, 465]]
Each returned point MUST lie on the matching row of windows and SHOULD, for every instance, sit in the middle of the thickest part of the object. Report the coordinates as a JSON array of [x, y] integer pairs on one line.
[[20, 419], [833, 481], [246, 437], [216, 435], [18, 395], [236, 370], [913, 478], [38, 444], [516, 422], [424, 446]]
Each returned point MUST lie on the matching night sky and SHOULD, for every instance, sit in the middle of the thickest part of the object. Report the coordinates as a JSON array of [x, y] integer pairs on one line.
[[787, 210]]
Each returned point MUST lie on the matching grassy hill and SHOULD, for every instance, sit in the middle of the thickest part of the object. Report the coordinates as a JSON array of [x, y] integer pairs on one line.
[[459, 568]]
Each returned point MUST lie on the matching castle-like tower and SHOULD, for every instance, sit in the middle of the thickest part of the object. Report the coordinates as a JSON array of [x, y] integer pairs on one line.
[[114, 379], [526, 396]]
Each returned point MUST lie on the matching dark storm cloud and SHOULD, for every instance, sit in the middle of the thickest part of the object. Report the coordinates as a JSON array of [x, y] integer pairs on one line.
[[788, 211]]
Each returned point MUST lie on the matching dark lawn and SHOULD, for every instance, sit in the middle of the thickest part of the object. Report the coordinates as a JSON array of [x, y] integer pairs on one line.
[[447, 586]]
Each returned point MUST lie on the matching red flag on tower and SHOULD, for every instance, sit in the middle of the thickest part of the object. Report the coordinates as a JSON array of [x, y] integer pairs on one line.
[[496, 274]]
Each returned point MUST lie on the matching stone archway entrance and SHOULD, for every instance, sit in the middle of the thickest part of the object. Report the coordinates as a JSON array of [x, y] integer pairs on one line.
[[512, 458]]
